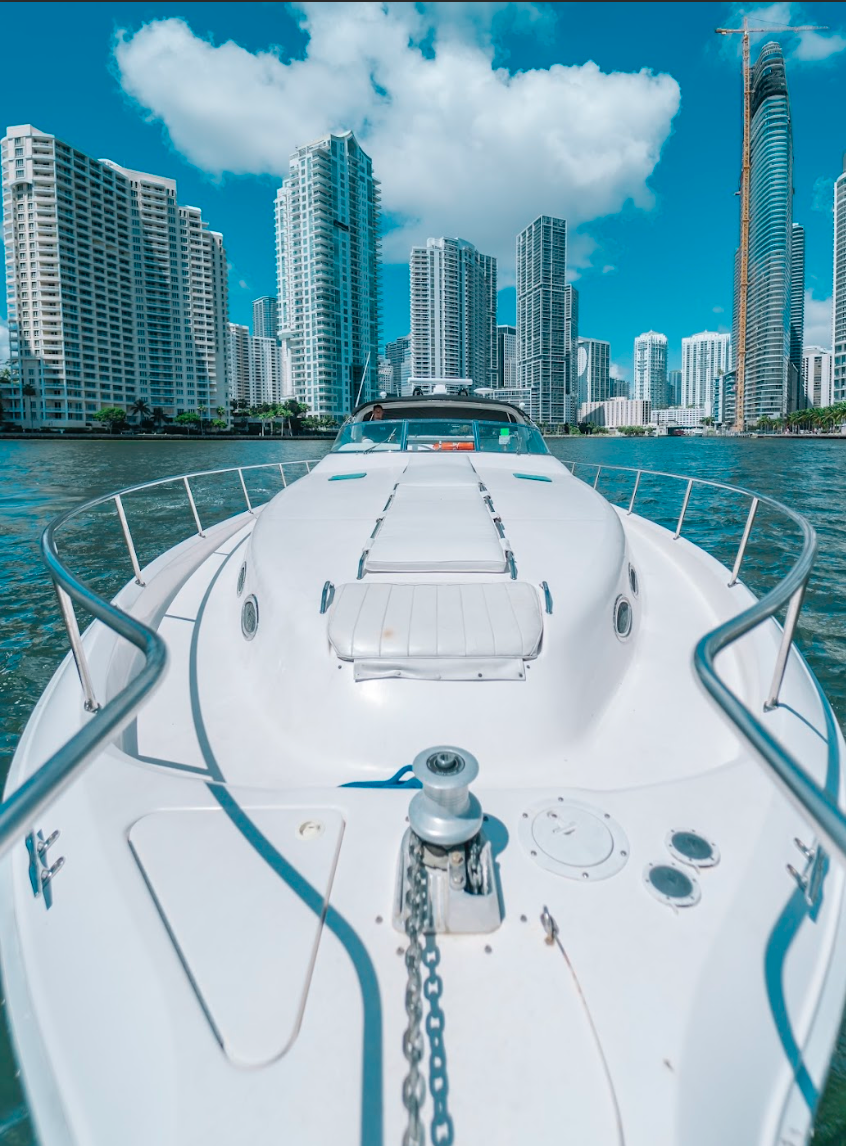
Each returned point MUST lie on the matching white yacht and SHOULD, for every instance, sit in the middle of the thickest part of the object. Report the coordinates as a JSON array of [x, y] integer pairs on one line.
[[436, 799]]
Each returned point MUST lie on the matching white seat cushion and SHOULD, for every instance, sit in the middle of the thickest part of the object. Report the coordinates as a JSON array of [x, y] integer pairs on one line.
[[437, 528], [372, 621]]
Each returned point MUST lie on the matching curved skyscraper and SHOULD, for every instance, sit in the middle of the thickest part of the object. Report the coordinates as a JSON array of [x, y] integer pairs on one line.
[[776, 250]]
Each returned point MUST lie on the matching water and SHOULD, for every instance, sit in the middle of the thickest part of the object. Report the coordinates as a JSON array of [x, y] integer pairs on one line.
[[42, 478]]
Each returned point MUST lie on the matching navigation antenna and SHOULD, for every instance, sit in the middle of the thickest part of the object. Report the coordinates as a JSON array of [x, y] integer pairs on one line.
[[740, 349], [363, 376]]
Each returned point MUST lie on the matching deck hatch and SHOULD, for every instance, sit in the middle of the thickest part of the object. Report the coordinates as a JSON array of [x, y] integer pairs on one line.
[[436, 526], [244, 930]]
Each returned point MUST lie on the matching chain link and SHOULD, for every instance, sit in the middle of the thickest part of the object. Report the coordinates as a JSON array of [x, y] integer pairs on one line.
[[416, 901]]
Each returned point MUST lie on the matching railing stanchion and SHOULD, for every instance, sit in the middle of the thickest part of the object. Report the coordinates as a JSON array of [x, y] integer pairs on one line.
[[69, 617], [596, 479], [677, 534], [193, 507], [244, 488], [282, 472], [308, 467], [634, 493], [127, 536], [784, 650], [741, 551]]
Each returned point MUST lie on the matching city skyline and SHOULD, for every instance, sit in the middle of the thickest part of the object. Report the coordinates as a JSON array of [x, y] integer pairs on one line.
[[622, 290]]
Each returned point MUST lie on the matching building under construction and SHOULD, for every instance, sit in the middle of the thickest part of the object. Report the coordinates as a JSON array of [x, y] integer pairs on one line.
[[769, 289]]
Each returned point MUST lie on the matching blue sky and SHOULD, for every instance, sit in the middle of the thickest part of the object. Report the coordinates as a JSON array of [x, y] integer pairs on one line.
[[622, 118]]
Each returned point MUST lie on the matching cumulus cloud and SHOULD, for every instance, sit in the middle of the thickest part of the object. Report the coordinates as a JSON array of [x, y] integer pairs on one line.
[[805, 47], [717, 309], [448, 130], [4, 340], [617, 371], [823, 195], [817, 321]]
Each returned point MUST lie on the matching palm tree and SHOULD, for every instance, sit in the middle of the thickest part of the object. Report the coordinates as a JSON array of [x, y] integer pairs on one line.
[[159, 417], [140, 408], [201, 410]]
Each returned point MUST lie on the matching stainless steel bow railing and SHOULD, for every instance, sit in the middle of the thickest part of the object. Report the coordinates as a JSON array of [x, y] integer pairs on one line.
[[24, 805], [811, 800]]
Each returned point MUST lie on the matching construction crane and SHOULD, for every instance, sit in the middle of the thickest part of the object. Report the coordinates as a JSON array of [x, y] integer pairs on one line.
[[740, 349]]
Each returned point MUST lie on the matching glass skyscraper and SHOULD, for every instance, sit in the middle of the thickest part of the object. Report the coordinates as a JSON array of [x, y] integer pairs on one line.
[[327, 267], [774, 304], [838, 309], [593, 370], [547, 321]]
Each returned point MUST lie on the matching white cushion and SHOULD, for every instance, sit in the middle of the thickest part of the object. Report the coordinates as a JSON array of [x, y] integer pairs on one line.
[[371, 621], [436, 528]]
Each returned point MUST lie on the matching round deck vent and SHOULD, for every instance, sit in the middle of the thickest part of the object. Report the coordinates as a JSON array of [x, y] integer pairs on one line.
[[671, 885], [690, 847], [622, 617], [573, 839], [249, 617], [242, 577]]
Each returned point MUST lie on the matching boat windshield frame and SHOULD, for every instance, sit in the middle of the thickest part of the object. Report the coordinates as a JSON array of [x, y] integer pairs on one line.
[[450, 434]]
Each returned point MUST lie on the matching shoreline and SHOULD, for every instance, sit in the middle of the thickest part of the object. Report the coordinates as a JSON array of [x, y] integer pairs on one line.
[[56, 437]]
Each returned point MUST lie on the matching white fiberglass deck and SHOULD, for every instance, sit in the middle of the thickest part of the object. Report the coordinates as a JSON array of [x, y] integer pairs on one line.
[[219, 963]]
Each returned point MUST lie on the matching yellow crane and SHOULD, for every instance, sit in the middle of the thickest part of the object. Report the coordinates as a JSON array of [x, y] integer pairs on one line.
[[740, 349]]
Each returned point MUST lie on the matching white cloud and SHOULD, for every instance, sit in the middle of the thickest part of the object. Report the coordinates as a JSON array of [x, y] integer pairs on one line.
[[717, 309], [608, 269], [617, 371], [4, 340], [823, 195], [448, 132], [817, 321], [805, 47]]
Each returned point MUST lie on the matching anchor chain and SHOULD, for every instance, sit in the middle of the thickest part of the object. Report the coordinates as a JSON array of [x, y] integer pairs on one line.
[[416, 899]]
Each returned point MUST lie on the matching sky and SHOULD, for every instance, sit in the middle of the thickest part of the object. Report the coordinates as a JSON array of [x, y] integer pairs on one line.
[[624, 119]]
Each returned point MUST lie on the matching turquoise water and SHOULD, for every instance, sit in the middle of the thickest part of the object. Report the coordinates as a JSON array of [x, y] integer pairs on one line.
[[41, 479]]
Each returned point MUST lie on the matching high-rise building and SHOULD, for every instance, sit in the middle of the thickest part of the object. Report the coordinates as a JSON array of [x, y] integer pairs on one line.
[[386, 376], [266, 317], [650, 369], [816, 376], [398, 354], [543, 327], [797, 315], [704, 357], [770, 364], [115, 292], [674, 387], [453, 312], [620, 388], [838, 302], [327, 262], [593, 370], [255, 367], [506, 356], [238, 362], [571, 344]]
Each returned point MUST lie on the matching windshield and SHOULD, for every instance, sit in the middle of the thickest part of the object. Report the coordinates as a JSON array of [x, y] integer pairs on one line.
[[449, 434]]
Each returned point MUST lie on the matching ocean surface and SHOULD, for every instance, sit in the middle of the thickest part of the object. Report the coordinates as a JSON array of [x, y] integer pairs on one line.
[[40, 479]]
